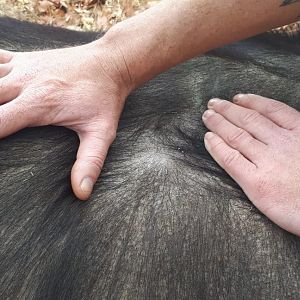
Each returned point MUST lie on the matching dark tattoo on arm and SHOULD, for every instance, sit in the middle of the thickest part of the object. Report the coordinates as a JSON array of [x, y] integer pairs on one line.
[[288, 2]]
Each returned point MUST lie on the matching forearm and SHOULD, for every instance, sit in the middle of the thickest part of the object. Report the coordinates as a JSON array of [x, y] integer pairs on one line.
[[174, 31]]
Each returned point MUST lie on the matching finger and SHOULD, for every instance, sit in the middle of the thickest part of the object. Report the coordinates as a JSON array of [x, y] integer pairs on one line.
[[253, 122], [5, 56], [231, 160], [280, 113], [5, 69], [90, 159], [234, 136], [14, 116], [9, 89]]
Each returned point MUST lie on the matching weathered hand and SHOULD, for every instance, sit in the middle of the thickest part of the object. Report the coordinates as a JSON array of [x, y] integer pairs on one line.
[[82, 88], [256, 140]]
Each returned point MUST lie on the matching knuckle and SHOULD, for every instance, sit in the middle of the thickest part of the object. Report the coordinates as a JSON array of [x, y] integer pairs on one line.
[[230, 158], [111, 135], [53, 86], [50, 86], [96, 161], [238, 136], [250, 117], [274, 107], [52, 92], [108, 131], [217, 146]]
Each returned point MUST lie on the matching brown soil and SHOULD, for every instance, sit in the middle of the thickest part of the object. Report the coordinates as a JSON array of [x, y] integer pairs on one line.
[[79, 14]]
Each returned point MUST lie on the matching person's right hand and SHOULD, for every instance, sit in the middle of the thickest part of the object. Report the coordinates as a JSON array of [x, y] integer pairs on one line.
[[82, 88]]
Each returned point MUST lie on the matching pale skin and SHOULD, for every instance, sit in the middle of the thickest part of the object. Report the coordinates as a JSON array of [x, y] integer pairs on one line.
[[84, 88]]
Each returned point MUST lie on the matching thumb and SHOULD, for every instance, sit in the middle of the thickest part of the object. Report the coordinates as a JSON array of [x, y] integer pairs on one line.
[[90, 159]]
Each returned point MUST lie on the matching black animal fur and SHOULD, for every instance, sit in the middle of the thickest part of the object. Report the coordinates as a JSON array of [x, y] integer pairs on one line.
[[164, 221]]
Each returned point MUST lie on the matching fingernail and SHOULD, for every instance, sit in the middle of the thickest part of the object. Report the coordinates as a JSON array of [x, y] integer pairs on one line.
[[237, 98], [213, 101], [207, 114], [87, 185]]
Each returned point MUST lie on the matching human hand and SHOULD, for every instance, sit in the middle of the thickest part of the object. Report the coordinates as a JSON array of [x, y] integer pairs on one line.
[[256, 140], [82, 88]]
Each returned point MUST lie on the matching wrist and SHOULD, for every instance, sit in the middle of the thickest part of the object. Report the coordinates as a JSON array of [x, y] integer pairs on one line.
[[133, 51], [112, 61]]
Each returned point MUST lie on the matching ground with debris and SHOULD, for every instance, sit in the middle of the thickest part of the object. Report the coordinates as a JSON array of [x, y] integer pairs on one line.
[[84, 15]]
